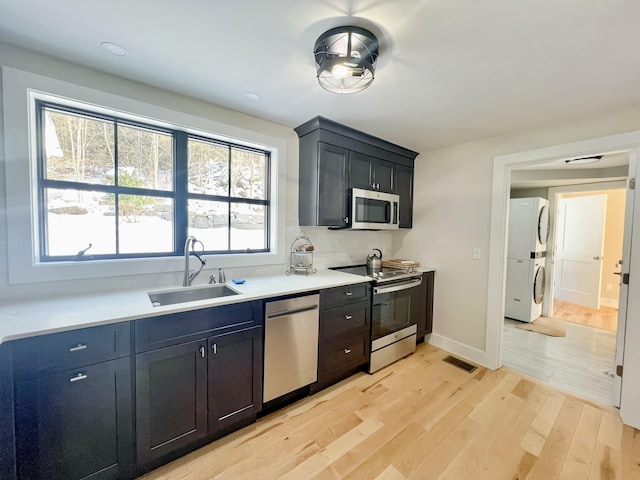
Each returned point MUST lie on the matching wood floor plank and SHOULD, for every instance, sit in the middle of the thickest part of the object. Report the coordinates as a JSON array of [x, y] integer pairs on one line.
[[424, 419], [553, 454], [577, 463]]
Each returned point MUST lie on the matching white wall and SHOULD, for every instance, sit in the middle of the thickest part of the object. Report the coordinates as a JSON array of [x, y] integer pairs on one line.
[[453, 213], [332, 248]]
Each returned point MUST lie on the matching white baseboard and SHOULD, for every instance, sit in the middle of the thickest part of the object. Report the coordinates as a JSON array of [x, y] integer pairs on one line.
[[459, 349], [609, 302]]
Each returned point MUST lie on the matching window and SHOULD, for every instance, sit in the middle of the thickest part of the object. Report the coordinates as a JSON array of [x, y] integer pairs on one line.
[[110, 187]]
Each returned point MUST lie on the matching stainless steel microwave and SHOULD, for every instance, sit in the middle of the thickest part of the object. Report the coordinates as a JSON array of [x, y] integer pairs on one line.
[[372, 210]]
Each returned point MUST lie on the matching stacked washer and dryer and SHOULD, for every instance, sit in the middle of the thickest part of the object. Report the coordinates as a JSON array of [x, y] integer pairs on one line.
[[527, 249]]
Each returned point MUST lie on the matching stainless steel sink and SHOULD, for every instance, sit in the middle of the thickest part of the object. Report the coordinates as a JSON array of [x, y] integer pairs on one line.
[[190, 294]]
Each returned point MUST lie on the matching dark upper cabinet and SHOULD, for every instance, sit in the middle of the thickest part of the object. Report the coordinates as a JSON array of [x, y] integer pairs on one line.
[[76, 424], [371, 173], [235, 379], [331, 209], [334, 158], [171, 399], [404, 188]]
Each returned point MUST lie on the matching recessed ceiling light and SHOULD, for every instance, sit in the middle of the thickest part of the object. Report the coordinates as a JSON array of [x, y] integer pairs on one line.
[[114, 48], [583, 160], [252, 96]]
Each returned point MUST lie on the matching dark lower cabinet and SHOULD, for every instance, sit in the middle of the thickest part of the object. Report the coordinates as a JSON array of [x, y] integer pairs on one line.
[[345, 324], [204, 381], [171, 399], [235, 379], [423, 301], [76, 424]]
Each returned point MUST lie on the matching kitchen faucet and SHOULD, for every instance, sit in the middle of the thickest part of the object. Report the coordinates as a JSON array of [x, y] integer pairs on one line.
[[189, 245]]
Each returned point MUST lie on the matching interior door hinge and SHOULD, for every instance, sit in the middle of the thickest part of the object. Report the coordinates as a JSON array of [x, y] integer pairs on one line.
[[619, 370], [632, 183], [625, 278]]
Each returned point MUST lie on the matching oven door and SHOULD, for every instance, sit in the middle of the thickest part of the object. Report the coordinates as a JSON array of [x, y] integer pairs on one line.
[[392, 307]]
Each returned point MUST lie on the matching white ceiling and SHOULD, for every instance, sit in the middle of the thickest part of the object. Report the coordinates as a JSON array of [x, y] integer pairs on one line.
[[449, 71]]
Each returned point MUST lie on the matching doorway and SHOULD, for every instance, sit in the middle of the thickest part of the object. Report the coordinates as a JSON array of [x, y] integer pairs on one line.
[[628, 334], [587, 233]]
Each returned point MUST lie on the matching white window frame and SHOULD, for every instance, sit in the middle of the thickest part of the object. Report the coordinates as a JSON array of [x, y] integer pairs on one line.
[[20, 90]]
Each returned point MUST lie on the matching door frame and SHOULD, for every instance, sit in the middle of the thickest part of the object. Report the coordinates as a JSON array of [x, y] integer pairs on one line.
[[554, 196], [502, 167]]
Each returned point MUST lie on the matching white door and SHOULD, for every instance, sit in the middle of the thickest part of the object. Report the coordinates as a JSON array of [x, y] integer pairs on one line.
[[579, 248], [624, 288]]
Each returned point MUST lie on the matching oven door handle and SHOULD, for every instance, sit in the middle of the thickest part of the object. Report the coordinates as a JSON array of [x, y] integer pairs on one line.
[[396, 287]]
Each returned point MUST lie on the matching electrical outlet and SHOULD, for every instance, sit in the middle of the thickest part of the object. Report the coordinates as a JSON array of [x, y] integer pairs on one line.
[[476, 254]]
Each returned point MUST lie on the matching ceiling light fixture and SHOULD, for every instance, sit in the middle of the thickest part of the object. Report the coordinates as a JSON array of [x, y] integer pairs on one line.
[[346, 59], [114, 48], [583, 160]]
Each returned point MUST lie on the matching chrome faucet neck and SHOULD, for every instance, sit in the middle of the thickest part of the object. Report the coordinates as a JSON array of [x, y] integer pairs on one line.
[[189, 245]]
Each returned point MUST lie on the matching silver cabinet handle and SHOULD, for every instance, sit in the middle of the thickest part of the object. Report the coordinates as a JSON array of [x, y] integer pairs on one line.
[[348, 294], [347, 351], [77, 348], [348, 317], [214, 347], [346, 219], [80, 376], [203, 352]]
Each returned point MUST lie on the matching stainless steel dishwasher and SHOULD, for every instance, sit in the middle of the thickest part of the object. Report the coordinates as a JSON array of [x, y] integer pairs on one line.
[[290, 345]]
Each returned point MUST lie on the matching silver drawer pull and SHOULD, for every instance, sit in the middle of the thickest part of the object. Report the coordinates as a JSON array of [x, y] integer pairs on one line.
[[347, 351], [78, 347], [348, 294], [80, 376], [348, 317]]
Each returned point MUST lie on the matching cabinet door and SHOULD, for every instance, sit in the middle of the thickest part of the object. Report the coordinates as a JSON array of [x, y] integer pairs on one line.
[[76, 424], [423, 305], [404, 188], [332, 185], [235, 379], [370, 173], [171, 399], [383, 176]]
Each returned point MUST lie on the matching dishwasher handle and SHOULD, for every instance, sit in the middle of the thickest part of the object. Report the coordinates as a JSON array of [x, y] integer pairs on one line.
[[291, 312]]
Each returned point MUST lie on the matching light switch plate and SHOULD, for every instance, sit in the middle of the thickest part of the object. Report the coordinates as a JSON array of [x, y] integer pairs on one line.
[[476, 254]]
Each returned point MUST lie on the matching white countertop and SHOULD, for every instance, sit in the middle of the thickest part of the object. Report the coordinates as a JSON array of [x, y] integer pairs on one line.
[[30, 318]]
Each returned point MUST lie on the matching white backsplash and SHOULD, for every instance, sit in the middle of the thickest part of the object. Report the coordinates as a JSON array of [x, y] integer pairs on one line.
[[342, 247]]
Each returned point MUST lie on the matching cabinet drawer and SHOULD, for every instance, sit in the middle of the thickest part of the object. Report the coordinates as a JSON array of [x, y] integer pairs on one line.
[[345, 321], [334, 297], [344, 354], [61, 351], [166, 330]]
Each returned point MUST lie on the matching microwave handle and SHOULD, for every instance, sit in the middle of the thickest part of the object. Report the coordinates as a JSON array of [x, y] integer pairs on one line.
[[395, 219]]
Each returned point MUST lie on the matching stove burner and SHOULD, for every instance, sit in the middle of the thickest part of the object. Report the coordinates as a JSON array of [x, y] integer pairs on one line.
[[385, 275]]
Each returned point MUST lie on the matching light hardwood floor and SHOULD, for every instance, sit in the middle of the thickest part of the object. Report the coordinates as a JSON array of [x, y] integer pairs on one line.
[[581, 363], [606, 318], [421, 418]]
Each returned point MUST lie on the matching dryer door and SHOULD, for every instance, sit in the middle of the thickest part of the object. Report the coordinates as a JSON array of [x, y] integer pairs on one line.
[[543, 225], [538, 285]]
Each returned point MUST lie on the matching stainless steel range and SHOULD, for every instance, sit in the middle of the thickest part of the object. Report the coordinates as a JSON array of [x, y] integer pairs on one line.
[[393, 328]]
